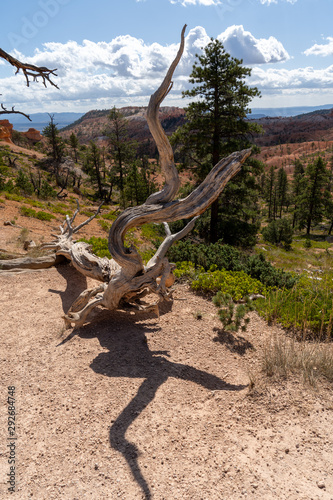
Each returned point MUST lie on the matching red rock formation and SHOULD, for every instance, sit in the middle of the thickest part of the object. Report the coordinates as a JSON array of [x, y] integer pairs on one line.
[[33, 135], [6, 130]]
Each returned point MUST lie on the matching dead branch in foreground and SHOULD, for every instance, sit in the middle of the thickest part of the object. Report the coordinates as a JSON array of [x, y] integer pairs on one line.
[[124, 279], [31, 73]]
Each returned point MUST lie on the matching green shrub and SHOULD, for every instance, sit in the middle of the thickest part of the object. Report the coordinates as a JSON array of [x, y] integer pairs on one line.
[[307, 308], [30, 212], [222, 256], [152, 231], [231, 259], [187, 270], [258, 267], [23, 183], [111, 215], [47, 191], [232, 316], [34, 203], [307, 243], [44, 216], [278, 231], [237, 284], [13, 197], [8, 187], [104, 225], [56, 209], [86, 212], [99, 246]]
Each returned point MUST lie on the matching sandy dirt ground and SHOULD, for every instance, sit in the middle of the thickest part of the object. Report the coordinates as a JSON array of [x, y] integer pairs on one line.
[[133, 407]]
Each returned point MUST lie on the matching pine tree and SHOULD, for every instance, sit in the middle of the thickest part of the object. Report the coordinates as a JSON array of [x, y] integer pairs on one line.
[[315, 195], [93, 166], [55, 141], [282, 188], [270, 192], [216, 120], [297, 188], [74, 144], [121, 149]]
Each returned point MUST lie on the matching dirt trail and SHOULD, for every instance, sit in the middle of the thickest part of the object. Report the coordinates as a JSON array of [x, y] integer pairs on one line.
[[132, 407]]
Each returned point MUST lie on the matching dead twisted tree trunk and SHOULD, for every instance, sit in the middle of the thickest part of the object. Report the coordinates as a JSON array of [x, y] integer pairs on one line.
[[125, 279]]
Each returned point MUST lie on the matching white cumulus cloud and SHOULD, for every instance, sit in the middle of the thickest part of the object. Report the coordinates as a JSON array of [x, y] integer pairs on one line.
[[243, 45], [298, 78], [321, 49], [126, 70]]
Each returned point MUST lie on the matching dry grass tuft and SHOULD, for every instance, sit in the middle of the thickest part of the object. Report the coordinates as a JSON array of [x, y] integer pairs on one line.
[[283, 357]]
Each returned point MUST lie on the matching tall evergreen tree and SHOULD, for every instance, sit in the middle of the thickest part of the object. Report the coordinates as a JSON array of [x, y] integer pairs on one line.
[[121, 149], [93, 166], [297, 188], [216, 120], [74, 144], [270, 192], [282, 188], [51, 132], [315, 194]]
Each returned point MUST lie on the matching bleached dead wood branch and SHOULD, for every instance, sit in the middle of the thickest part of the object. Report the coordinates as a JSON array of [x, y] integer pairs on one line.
[[124, 278]]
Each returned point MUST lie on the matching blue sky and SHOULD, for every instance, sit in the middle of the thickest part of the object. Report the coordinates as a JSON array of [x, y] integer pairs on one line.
[[115, 53]]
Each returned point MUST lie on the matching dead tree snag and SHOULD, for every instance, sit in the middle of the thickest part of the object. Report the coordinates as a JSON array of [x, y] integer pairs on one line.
[[125, 280]]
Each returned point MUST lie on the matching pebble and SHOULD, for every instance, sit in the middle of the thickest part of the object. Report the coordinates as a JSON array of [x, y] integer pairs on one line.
[[321, 484]]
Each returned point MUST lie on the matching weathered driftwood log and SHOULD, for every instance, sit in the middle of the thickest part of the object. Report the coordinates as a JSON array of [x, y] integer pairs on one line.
[[30, 263], [125, 280]]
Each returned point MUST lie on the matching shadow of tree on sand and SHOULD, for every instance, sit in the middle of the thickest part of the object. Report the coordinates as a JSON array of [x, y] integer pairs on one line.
[[233, 342], [75, 284], [129, 356]]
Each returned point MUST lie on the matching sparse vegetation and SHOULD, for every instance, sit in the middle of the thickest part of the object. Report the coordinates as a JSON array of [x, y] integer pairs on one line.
[[283, 357], [236, 284], [232, 316], [41, 215], [99, 246]]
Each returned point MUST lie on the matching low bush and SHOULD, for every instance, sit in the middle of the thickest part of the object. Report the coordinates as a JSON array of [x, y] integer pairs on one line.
[[232, 316], [104, 225], [237, 284], [99, 246], [34, 203], [30, 212], [278, 231], [13, 196], [219, 256], [56, 209], [44, 216], [23, 183], [111, 215], [46, 191], [187, 270], [307, 308]]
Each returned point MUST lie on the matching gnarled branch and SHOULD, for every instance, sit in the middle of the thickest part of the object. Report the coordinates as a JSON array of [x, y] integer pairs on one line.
[[6, 111], [31, 72], [125, 279], [165, 151]]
